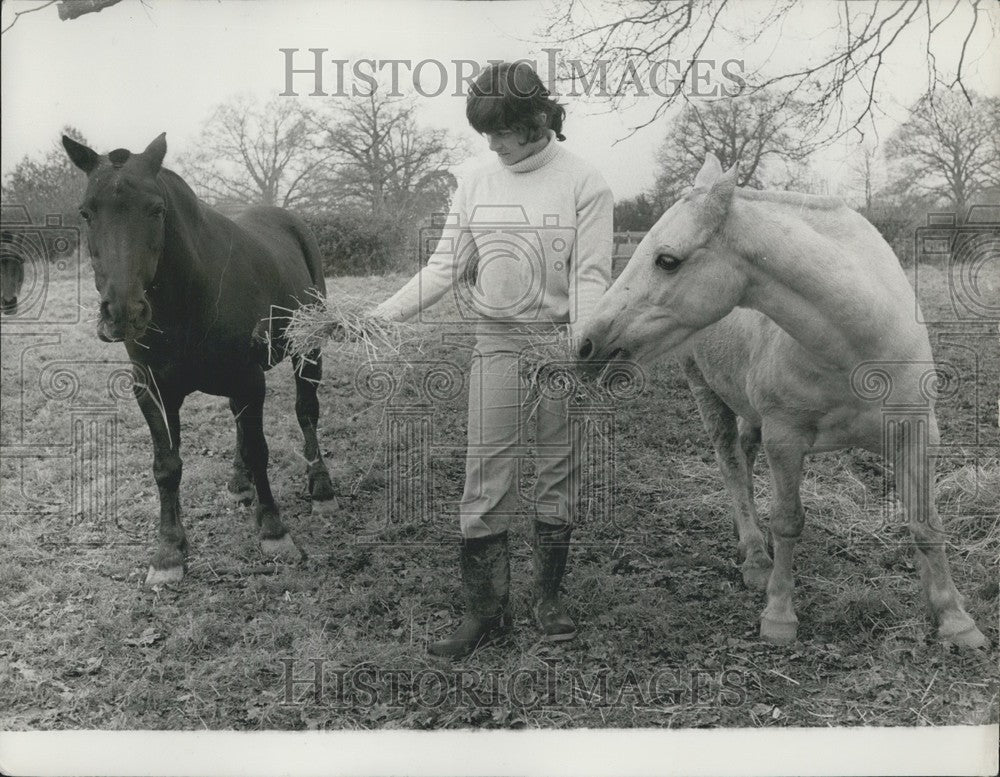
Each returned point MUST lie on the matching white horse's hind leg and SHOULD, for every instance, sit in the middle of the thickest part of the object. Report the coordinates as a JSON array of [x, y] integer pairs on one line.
[[784, 456], [915, 474], [731, 451]]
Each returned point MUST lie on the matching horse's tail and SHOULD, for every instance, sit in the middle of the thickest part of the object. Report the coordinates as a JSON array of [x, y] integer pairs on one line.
[[313, 254]]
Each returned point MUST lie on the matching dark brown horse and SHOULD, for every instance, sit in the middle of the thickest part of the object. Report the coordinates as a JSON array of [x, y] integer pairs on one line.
[[201, 303]]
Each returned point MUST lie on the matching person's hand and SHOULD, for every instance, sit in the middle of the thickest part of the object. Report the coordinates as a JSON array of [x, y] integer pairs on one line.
[[381, 313]]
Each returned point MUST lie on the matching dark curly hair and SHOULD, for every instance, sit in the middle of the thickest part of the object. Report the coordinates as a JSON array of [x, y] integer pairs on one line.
[[510, 96]]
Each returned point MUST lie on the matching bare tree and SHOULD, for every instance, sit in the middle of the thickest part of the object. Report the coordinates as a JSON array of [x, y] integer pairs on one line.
[[382, 160], [864, 174], [252, 154], [760, 133], [623, 41], [947, 148]]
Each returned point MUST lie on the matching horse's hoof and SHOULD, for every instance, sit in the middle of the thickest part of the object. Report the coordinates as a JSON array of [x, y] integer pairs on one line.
[[282, 548], [755, 576], [156, 577], [321, 487], [325, 506], [970, 637], [778, 632]]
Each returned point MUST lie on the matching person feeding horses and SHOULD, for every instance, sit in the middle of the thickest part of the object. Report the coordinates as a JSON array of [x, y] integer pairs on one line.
[[543, 272]]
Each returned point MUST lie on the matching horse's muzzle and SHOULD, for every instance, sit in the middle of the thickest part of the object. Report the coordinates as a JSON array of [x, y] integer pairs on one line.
[[114, 329], [108, 332], [587, 353], [591, 360], [8, 306]]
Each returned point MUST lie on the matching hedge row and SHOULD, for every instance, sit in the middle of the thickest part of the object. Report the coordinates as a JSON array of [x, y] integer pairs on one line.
[[357, 243]]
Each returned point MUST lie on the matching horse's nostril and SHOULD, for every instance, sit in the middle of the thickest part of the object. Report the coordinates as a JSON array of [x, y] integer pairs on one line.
[[141, 312], [105, 310], [586, 349]]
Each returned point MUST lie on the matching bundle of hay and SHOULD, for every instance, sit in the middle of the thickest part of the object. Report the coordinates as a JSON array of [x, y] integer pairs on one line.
[[347, 321], [548, 367], [546, 362]]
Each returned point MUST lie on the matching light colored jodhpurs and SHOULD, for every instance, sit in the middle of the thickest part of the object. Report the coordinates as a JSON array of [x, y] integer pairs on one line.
[[500, 407]]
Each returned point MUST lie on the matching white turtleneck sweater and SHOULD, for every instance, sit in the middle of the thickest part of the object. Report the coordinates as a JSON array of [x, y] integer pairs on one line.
[[541, 232]]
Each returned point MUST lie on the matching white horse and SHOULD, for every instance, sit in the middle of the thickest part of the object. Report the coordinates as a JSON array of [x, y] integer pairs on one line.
[[792, 314]]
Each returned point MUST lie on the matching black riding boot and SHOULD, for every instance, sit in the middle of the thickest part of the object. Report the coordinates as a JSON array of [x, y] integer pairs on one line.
[[485, 564], [551, 547]]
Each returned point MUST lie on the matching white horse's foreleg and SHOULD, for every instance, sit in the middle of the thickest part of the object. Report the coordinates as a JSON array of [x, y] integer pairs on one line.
[[731, 449], [915, 469], [784, 456]]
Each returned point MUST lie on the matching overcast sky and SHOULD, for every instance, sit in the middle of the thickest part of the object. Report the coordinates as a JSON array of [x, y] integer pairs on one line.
[[132, 71]]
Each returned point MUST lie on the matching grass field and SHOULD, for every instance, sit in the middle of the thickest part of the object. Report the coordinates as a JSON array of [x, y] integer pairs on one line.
[[668, 635]]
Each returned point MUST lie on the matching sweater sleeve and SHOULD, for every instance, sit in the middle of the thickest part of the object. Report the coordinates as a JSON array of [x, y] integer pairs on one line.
[[443, 268], [590, 274]]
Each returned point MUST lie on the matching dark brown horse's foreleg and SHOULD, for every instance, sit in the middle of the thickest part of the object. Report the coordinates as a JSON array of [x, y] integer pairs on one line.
[[308, 372], [249, 411], [908, 440], [160, 405], [737, 473], [785, 453], [240, 484]]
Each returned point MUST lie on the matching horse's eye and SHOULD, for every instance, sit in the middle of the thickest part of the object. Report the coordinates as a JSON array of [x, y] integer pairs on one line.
[[668, 262], [85, 214], [157, 211]]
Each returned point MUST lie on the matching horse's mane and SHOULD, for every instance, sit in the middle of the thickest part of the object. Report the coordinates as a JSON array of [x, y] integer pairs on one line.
[[795, 199], [177, 184]]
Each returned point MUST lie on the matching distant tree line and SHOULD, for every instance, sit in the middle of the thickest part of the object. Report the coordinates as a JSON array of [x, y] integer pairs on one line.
[[367, 177]]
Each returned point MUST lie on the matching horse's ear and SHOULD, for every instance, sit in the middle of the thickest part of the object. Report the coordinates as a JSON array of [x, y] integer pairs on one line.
[[711, 170], [720, 195], [84, 158], [155, 152]]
